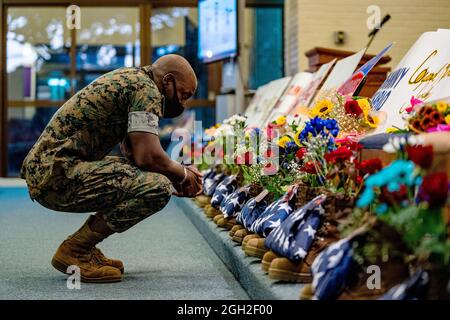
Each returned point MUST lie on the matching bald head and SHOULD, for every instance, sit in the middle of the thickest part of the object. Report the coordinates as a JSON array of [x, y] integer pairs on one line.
[[175, 79]]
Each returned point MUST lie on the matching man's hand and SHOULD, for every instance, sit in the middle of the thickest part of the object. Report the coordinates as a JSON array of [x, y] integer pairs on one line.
[[148, 155], [192, 186], [125, 149]]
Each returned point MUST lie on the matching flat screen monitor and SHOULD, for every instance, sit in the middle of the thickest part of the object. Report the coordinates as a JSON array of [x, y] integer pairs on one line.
[[218, 30]]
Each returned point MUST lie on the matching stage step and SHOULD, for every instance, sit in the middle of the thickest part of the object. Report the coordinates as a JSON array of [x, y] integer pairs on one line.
[[247, 270]]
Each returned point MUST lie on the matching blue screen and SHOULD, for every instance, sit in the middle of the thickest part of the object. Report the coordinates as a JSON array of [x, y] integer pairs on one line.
[[218, 30]]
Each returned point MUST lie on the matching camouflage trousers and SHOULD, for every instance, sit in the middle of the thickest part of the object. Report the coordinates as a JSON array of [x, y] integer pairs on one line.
[[122, 193]]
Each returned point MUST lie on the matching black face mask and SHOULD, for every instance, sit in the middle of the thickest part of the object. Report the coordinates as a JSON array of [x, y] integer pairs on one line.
[[174, 110]]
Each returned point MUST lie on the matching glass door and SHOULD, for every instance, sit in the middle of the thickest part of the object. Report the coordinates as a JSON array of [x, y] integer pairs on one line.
[[47, 63]]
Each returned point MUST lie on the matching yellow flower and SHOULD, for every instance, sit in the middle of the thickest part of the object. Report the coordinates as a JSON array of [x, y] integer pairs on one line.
[[284, 141], [364, 104], [441, 106], [391, 130], [371, 120], [322, 108], [297, 139], [447, 119], [281, 121]]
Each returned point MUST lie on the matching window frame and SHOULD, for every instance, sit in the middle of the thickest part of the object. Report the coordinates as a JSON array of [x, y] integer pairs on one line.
[[145, 13]]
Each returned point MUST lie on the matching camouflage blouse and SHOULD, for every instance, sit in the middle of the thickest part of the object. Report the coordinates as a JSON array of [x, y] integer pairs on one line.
[[91, 123]]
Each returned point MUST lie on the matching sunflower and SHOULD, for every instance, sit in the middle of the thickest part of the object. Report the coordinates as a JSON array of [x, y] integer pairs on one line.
[[447, 119], [298, 141], [284, 141], [364, 104], [441, 106], [371, 120], [322, 108], [392, 130], [281, 121]]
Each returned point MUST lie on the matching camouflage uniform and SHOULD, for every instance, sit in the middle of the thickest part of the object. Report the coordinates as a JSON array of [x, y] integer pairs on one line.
[[68, 168]]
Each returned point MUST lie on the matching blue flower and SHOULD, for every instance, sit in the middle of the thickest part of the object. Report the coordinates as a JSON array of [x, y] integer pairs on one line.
[[291, 147], [400, 172], [381, 209]]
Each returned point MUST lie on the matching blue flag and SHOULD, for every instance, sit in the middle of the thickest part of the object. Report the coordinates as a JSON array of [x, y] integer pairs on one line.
[[275, 214], [224, 188], [233, 203], [415, 288], [294, 237], [330, 270]]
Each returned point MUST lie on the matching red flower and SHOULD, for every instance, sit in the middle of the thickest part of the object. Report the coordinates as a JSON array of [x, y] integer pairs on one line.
[[426, 111], [245, 159], [269, 153], [300, 153], [359, 180], [339, 155], [427, 123], [273, 131], [422, 156], [309, 167], [352, 108], [371, 166], [396, 197], [434, 189]]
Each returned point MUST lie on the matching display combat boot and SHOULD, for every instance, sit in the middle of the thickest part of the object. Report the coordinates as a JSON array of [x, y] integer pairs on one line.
[[255, 248], [240, 234], [218, 217], [389, 253], [283, 269], [234, 229], [211, 212], [202, 201], [247, 238], [77, 250], [267, 259], [227, 223], [307, 292]]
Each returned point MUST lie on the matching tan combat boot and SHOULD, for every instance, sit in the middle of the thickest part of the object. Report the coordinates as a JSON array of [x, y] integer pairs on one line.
[[211, 212], [78, 249], [202, 200], [248, 237], [240, 234], [226, 223], [267, 259], [283, 269], [101, 258], [235, 229], [256, 248]]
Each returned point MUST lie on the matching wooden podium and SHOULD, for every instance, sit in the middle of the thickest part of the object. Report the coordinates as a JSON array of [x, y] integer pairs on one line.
[[319, 56]]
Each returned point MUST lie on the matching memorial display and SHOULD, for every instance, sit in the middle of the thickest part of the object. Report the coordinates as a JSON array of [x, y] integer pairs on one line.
[[320, 214]]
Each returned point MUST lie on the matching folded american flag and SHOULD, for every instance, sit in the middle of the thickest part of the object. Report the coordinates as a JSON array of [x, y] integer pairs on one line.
[[233, 203], [293, 238], [415, 288], [275, 214], [211, 182], [251, 211], [331, 268], [224, 188]]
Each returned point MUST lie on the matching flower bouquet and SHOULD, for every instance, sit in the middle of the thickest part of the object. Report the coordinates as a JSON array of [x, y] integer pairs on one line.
[[355, 115], [430, 118]]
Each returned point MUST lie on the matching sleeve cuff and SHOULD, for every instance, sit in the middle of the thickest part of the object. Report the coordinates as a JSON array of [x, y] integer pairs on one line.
[[141, 121]]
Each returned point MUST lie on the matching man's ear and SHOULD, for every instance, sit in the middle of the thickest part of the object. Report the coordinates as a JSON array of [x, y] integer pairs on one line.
[[168, 78]]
